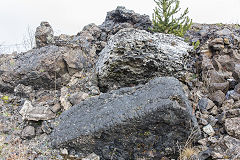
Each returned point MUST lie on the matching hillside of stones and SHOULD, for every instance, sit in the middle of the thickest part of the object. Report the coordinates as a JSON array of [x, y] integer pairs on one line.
[[119, 91]]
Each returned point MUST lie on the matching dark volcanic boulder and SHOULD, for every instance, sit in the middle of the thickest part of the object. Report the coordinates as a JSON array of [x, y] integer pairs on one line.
[[134, 56], [124, 18], [129, 122], [42, 68]]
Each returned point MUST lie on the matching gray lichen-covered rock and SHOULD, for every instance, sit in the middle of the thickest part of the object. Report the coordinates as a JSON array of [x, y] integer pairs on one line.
[[36, 113], [129, 122], [44, 35], [28, 132], [134, 56], [23, 91]]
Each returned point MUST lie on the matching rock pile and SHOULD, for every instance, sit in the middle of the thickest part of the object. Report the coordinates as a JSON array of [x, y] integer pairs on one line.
[[218, 103], [62, 71], [104, 90]]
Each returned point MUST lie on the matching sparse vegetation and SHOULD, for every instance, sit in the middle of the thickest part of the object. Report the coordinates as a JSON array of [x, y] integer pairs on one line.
[[5, 99], [188, 151], [29, 39], [196, 44], [27, 43], [219, 24], [164, 20]]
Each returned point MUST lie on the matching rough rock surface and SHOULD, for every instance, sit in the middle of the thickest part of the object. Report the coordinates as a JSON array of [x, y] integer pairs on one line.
[[87, 40], [43, 68], [217, 69], [39, 75], [134, 121], [216, 76], [134, 56], [232, 126], [227, 148], [28, 132], [34, 113], [44, 35], [92, 156], [123, 18]]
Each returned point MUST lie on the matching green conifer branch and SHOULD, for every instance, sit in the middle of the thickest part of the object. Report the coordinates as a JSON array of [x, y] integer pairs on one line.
[[164, 20]]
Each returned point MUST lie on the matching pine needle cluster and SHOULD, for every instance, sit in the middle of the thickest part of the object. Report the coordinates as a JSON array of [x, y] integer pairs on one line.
[[164, 19]]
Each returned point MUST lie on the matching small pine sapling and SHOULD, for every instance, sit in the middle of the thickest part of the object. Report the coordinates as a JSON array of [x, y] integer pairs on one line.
[[164, 20]]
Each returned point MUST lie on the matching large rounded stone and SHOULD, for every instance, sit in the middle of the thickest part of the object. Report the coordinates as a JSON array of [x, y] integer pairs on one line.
[[134, 56], [126, 118]]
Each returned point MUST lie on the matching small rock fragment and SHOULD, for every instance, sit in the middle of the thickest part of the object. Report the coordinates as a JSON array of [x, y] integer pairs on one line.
[[216, 44], [236, 104], [36, 113], [64, 98], [77, 97], [234, 95], [212, 139], [236, 72], [92, 156], [237, 88], [218, 97], [219, 86], [64, 151], [203, 141], [205, 103], [56, 108], [203, 121], [232, 126], [227, 105], [214, 110], [209, 130], [226, 41], [23, 91], [46, 128], [227, 148], [224, 32], [28, 132]]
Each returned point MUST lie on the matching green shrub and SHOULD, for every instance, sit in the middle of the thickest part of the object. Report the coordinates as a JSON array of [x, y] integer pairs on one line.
[[5, 99], [164, 20], [196, 44]]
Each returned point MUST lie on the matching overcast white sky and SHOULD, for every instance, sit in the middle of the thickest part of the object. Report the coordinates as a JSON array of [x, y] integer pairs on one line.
[[69, 16]]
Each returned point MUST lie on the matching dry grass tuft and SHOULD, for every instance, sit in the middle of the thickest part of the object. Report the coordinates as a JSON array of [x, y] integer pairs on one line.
[[188, 152]]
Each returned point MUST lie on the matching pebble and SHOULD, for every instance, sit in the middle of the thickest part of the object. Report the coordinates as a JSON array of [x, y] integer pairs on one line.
[[64, 151], [92, 156], [208, 130]]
